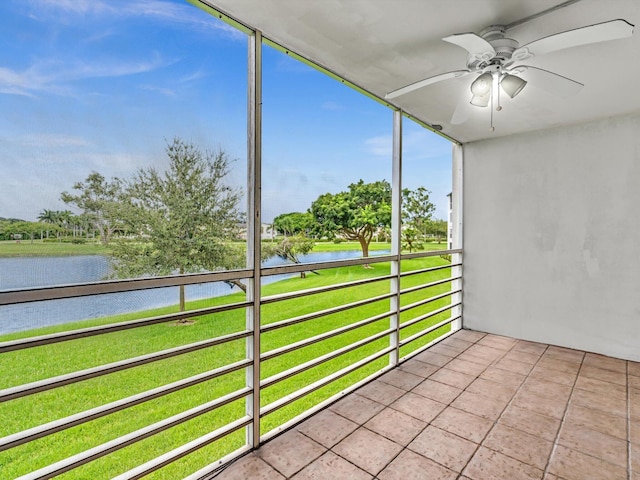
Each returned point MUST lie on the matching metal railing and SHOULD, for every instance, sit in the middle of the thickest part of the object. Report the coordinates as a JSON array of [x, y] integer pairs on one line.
[[308, 360]]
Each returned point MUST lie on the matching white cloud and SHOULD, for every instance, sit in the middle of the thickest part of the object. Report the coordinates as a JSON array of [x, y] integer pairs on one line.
[[51, 140], [66, 11], [380, 146]]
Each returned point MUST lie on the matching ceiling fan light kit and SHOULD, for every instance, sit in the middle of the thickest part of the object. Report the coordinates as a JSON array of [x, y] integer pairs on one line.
[[493, 57]]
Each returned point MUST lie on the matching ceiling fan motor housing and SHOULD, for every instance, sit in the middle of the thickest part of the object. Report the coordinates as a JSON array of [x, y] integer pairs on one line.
[[504, 48]]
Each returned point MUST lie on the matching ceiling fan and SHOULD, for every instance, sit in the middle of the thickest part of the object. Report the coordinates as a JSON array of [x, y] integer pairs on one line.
[[495, 61]]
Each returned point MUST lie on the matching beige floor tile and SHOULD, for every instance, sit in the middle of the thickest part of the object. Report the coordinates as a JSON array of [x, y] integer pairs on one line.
[[469, 335], [356, 408], [556, 376], [433, 358], [249, 466], [418, 368], [530, 422], [463, 424], [597, 420], [437, 391], [487, 464], [331, 466], [367, 450], [516, 444], [453, 378], [504, 377], [411, 466], [600, 401], [573, 465], [523, 357], [492, 389], [608, 363], [418, 406], [457, 343], [605, 375], [470, 357], [485, 352], [547, 389], [443, 447], [634, 434], [634, 404], [633, 368], [513, 366], [633, 381], [498, 342], [402, 379], [567, 354], [601, 387], [327, 428], [530, 347], [594, 443], [445, 350], [396, 426], [536, 403], [465, 366], [381, 392], [290, 452], [479, 405], [558, 364]]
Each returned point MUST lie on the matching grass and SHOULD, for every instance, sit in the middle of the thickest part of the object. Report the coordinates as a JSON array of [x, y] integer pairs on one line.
[[10, 248], [46, 361]]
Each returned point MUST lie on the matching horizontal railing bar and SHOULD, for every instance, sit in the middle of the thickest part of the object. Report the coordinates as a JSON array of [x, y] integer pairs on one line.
[[306, 267], [183, 450], [292, 397], [428, 330], [323, 313], [430, 269], [114, 445], [55, 426], [325, 403], [432, 253], [217, 466], [429, 300], [424, 317], [117, 286], [428, 285], [81, 375], [272, 380], [114, 327], [329, 288], [276, 352]]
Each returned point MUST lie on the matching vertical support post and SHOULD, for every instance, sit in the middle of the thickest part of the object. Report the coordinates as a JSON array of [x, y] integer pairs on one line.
[[456, 221], [254, 223], [396, 235]]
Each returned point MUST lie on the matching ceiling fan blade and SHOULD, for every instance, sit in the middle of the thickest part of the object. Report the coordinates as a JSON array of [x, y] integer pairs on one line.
[[477, 46], [548, 81], [600, 32], [425, 82]]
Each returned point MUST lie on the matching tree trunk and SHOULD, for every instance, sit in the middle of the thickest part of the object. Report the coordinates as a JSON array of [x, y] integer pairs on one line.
[[364, 245], [182, 302]]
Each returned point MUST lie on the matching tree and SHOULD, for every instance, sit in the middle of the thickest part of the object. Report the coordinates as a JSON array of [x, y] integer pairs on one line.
[[181, 220], [100, 202], [356, 214], [417, 209], [294, 223], [289, 249]]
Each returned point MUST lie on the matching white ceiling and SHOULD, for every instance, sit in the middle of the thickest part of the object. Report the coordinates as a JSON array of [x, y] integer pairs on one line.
[[382, 45]]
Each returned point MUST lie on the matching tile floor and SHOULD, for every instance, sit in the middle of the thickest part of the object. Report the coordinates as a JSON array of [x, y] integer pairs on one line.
[[472, 407]]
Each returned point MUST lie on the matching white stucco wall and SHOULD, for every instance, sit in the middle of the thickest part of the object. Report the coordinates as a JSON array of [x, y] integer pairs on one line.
[[552, 236]]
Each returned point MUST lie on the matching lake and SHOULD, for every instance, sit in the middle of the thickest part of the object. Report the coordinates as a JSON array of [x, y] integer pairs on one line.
[[29, 272]]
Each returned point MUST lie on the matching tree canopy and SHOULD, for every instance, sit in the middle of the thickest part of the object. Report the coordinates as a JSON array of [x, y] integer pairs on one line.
[[294, 223], [180, 220], [355, 214]]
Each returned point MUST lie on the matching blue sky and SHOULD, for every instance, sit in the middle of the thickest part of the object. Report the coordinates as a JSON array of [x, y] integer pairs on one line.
[[100, 85]]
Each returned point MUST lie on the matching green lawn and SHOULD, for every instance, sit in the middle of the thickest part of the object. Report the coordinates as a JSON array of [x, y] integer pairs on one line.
[[11, 248], [43, 362]]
